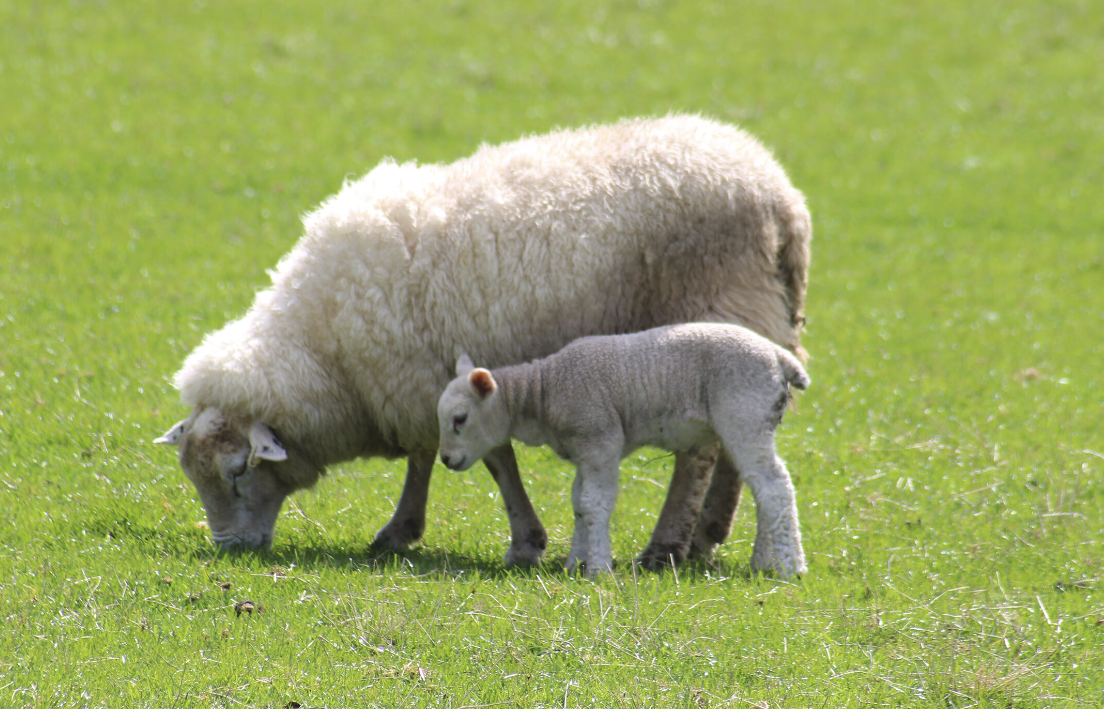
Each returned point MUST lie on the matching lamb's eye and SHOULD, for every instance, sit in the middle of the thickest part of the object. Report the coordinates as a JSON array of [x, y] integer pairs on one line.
[[458, 420]]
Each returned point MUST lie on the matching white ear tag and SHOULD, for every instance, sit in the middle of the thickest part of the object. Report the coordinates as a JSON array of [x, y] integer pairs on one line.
[[263, 445], [172, 438]]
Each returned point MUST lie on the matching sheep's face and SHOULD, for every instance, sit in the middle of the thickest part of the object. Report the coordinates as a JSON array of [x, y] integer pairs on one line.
[[472, 417], [233, 464]]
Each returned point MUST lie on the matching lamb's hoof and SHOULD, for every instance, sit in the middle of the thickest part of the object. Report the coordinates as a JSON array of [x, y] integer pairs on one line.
[[398, 536], [661, 556], [779, 569]]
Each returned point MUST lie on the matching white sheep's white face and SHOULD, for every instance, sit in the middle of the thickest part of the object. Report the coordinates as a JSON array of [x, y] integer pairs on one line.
[[472, 417], [232, 463]]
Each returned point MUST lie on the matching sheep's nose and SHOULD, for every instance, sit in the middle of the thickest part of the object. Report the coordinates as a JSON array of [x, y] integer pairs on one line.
[[445, 459]]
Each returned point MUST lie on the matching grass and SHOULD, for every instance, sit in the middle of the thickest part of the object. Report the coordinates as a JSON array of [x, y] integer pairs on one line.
[[154, 160]]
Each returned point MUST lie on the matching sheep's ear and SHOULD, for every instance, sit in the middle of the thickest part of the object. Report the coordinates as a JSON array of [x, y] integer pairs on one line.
[[263, 445], [172, 438], [482, 381], [464, 365]]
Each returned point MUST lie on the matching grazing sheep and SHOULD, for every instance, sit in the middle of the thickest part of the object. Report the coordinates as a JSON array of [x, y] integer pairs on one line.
[[507, 255], [680, 387]]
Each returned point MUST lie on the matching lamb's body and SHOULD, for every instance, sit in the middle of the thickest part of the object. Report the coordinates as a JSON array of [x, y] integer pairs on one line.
[[507, 255], [681, 388]]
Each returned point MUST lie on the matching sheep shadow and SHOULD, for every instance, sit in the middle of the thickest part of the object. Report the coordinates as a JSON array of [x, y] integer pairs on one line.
[[437, 561]]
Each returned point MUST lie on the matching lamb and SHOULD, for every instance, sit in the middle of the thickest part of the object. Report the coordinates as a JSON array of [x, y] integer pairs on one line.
[[680, 387], [507, 255]]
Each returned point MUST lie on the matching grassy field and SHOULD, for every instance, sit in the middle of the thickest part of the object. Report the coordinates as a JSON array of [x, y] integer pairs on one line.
[[949, 461]]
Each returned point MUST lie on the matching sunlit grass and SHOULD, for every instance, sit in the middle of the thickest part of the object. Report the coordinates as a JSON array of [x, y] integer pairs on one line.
[[154, 161]]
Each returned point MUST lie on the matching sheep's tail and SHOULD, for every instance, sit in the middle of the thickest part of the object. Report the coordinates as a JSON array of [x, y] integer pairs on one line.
[[792, 370], [795, 233]]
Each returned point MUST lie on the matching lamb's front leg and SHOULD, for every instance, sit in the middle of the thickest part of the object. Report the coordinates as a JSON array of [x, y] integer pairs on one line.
[[579, 537], [528, 538], [594, 495]]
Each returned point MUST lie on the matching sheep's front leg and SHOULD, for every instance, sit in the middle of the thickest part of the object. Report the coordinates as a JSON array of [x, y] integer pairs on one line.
[[408, 522], [528, 538], [594, 495], [673, 531]]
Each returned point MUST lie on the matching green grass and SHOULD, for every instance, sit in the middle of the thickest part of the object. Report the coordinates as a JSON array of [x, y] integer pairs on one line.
[[154, 160]]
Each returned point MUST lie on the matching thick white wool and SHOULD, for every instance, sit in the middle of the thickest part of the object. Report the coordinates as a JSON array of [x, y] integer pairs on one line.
[[507, 256]]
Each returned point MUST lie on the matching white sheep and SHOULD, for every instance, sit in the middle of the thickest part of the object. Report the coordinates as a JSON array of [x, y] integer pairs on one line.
[[507, 255], [680, 387]]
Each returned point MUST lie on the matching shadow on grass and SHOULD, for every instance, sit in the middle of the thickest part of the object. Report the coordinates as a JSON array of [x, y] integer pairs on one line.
[[425, 561], [151, 537]]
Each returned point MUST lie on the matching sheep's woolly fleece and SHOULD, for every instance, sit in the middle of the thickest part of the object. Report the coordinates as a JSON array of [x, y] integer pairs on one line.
[[507, 255]]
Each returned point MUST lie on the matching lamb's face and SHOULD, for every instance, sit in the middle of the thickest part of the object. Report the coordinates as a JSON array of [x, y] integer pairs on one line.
[[472, 419], [232, 463]]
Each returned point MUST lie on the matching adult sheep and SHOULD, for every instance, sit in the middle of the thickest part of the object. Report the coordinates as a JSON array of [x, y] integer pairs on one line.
[[507, 256]]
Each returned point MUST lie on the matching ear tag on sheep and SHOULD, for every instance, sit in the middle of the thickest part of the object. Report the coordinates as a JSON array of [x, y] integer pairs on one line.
[[482, 381], [172, 438], [464, 366], [263, 445]]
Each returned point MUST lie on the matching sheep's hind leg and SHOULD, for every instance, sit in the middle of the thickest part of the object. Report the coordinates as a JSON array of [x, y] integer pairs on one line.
[[408, 522], [715, 522], [672, 535], [528, 538]]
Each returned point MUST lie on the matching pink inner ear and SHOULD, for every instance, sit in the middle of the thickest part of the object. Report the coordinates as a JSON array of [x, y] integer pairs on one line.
[[482, 381]]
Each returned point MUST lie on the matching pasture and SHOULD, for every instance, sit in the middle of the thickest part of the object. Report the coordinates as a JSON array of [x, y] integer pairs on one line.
[[948, 457]]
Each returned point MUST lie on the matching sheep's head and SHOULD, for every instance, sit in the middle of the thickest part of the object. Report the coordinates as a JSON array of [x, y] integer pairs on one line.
[[235, 465], [472, 417]]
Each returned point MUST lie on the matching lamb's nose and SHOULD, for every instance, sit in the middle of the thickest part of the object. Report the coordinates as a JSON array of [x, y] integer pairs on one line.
[[445, 459]]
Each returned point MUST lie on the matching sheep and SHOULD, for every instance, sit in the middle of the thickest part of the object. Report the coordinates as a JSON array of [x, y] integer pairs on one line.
[[680, 387], [507, 255]]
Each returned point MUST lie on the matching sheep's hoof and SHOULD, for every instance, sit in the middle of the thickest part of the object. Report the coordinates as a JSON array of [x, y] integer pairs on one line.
[[524, 555], [661, 556], [398, 535], [702, 550]]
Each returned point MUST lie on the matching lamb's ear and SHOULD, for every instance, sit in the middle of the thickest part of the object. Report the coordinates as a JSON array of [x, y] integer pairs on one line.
[[464, 365], [172, 438], [263, 445], [482, 381]]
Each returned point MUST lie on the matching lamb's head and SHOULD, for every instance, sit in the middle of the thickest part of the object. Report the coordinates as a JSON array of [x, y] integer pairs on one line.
[[472, 417], [235, 465]]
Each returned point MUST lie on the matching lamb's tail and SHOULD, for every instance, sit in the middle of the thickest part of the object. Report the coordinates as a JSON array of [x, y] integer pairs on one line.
[[791, 369], [795, 233]]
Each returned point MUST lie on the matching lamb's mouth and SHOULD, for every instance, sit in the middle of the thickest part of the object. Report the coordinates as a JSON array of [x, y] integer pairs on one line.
[[453, 463]]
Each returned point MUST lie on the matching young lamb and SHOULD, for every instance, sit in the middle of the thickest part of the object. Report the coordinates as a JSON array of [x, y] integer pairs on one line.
[[681, 388], [507, 255]]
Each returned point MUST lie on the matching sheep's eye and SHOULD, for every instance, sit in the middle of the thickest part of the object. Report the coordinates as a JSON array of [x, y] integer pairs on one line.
[[234, 479], [458, 420]]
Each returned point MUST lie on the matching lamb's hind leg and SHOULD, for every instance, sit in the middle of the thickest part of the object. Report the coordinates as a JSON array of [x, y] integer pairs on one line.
[[719, 508], [408, 522], [777, 538], [671, 537], [528, 538]]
